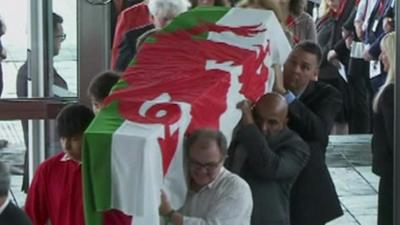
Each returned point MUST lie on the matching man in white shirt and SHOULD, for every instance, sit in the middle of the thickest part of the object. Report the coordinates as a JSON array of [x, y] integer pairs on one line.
[[9, 213], [216, 196], [364, 10]]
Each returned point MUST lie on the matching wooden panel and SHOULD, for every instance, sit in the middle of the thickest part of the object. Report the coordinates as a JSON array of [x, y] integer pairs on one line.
[[14, 109]]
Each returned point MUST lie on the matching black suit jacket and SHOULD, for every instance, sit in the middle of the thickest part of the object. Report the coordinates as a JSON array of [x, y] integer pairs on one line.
[[127, 48], [383, 134], [23, 76], [12, 215], [314, 198], [270, 166]]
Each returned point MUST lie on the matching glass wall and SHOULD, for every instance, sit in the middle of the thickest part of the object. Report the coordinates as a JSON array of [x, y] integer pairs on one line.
[[39, 70]]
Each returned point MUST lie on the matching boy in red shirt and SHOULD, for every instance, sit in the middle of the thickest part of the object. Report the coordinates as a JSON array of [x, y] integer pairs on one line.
[[55, 194]]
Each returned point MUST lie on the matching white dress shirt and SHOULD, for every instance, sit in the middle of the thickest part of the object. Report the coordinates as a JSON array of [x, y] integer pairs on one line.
[[225, 201], [364, 10]]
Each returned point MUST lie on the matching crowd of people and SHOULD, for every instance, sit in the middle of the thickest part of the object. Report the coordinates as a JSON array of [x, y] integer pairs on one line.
[[273, 172]]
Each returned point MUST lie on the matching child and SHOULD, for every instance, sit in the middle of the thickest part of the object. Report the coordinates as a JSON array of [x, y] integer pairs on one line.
[[100, 87], [55, 194]]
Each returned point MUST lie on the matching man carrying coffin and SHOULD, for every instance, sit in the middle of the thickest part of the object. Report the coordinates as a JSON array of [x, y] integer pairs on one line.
[[213, 190], [269, 156]]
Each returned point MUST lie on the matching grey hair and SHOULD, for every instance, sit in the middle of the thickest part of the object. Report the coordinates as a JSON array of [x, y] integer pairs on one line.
[[5, 179], [168, 7], [206, 135]]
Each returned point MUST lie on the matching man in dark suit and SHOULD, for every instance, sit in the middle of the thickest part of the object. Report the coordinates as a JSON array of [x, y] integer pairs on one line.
[[313, 106], [9, 213], [269, 156]]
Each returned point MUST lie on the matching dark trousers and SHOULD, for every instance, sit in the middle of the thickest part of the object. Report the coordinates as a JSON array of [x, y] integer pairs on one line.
[[25, 178], [360, 97], [377, 82], [385, 200]]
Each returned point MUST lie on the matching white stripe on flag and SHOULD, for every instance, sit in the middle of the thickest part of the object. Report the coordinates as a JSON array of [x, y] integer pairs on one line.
[[136, 169], [231, 116], [133, 145]]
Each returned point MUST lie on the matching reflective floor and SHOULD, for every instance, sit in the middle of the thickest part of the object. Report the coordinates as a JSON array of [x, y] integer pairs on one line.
[[349, 160], [348, 157]]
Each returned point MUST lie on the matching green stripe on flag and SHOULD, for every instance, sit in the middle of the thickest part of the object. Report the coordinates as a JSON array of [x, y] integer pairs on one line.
[[96, 162], [121, 84]]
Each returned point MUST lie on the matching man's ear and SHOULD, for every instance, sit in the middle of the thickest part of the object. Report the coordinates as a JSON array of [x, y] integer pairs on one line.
[[315, 75], [286, 121]]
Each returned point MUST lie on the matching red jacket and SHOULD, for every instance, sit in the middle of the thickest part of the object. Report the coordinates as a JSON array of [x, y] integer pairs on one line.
[[133, 17]]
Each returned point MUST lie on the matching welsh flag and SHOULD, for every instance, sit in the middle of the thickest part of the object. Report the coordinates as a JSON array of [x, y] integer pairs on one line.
[[190, 75]]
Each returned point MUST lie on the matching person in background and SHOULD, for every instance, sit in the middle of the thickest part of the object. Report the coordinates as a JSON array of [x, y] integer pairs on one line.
[[377, 27], [9, 213], [389, 18], [269, 156], [313, 106], [329, 33], [3, 55], [383, 131], [116, 8], [58, 82], [298, 24], [352, 66], [55, 200], [59, 85], [364, 10], [99, 88], [138, 20], [213, 190], [133, 17]]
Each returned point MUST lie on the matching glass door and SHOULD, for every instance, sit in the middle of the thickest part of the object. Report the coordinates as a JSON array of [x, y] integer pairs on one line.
[[39, 68]]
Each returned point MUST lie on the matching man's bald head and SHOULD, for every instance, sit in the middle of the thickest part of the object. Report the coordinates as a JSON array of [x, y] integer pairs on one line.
[[270, 113], [273, 101]]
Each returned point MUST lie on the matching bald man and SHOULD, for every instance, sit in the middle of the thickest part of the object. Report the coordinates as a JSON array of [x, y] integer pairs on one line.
[[269, 156]]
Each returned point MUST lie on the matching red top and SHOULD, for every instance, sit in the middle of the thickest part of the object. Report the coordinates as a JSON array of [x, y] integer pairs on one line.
[[133, 17], [290, 22], [340, 10], [56, 193]]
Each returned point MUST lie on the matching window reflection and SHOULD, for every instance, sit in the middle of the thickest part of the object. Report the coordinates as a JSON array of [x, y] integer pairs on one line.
[[15, 43], [65, 63]]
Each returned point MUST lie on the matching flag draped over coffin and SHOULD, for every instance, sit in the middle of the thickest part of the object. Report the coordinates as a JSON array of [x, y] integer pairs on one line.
[[190, 75]]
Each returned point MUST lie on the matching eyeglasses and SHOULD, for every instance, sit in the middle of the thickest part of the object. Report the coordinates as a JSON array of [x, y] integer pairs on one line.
[[208, 166], [62, 37]]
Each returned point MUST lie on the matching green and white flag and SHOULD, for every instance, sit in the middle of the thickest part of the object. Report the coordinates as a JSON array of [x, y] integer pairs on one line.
[[190, 75]]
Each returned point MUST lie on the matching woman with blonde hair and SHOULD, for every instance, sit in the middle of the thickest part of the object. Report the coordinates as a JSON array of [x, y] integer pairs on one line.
[[383, 132]]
